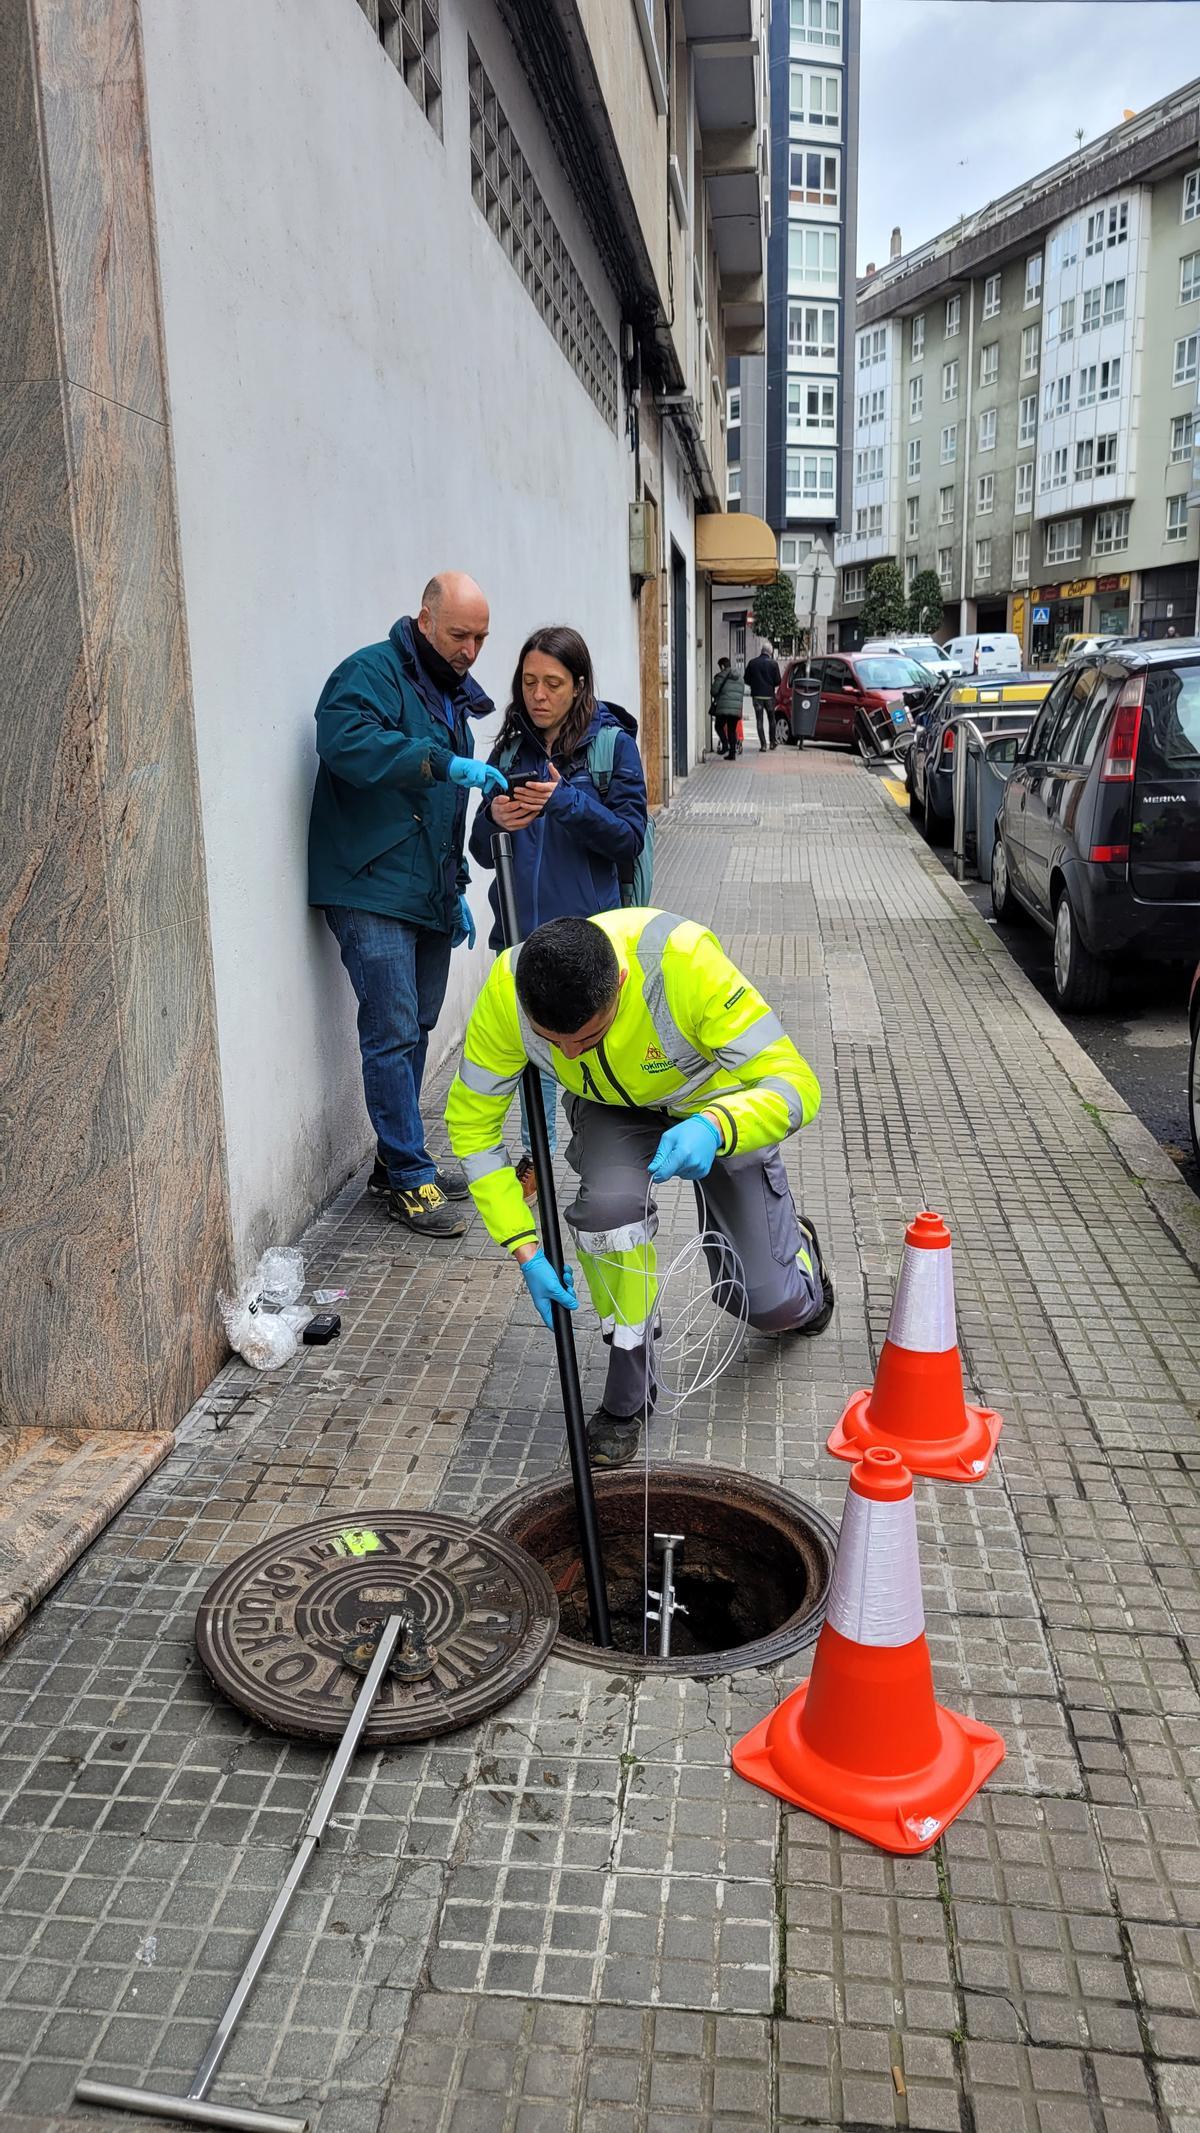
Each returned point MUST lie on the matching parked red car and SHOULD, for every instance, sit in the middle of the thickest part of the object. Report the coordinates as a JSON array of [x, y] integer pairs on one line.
[[866, 699]]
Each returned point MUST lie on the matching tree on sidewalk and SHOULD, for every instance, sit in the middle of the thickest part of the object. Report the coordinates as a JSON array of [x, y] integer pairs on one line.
[[774, 612], [925, 603], [885, 608]]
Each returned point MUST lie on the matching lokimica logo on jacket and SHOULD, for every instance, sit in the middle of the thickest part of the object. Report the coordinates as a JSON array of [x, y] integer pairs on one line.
[[655, 1061]]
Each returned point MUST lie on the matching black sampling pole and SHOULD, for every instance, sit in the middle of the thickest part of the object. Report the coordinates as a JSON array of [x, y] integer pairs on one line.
[[564, 1337]]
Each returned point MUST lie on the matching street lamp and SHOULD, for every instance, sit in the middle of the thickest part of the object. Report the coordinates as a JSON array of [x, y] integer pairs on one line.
[[819, 575]]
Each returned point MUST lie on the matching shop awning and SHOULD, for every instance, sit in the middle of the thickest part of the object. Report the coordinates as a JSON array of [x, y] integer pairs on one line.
[[735, 548]]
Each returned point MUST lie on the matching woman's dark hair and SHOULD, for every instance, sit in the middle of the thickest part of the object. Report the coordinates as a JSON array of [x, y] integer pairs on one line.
[[568, 647], [567, 971]]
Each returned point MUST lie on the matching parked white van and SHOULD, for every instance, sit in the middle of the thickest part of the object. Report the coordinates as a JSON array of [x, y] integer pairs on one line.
[[925, 650], [986, 652]]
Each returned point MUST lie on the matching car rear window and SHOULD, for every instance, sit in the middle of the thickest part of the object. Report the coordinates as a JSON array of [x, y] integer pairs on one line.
[[890, 673], [1170, 738]]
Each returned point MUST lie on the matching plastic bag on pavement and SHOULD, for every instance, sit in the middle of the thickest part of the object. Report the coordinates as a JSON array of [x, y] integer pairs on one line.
[[264, 1320], [280, 1274]]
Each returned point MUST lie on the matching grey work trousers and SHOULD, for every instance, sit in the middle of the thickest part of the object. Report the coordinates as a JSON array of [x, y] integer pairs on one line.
[[746, 1200]]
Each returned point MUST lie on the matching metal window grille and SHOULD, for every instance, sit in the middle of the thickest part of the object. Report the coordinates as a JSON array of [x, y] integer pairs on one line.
[[410, 34], [507, 194]]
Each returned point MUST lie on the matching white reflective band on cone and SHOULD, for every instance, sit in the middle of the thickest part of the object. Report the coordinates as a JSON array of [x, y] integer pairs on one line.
[[923, 1311], [875, 1596]]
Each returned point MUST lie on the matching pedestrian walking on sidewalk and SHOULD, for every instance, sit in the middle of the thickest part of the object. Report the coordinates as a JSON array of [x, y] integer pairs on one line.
[[675, 1067], [728, 689], [579, 827], [385, 863], [762, 680]]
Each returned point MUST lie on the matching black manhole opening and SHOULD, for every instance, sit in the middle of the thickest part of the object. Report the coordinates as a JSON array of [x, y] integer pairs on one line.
[[753, 1573]]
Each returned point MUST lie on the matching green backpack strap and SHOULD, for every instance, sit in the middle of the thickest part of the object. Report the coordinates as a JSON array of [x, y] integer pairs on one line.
[[508, 756], [601, 755]]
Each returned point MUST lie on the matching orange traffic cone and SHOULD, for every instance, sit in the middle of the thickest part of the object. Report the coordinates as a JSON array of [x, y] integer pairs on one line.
[[862, 1743], [917, 1401]]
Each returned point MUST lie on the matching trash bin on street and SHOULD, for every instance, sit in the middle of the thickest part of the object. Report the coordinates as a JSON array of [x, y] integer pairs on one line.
[[806, 701]]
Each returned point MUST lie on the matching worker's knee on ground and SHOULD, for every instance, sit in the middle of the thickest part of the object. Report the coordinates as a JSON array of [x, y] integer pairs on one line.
[[775, 1306]]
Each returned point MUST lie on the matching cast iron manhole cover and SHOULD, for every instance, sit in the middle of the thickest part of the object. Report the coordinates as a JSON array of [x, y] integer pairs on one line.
[[285, 1631]]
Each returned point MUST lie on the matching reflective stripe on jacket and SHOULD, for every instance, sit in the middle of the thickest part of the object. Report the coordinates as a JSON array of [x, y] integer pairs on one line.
[[691, 1034]]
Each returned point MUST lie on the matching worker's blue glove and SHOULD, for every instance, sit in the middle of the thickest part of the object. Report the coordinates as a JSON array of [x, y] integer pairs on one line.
[[688, 1150], [546, 1289], [468, 770], [465, 929]]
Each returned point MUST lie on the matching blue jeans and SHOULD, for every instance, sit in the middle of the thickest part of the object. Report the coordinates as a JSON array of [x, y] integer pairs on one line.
[[549, 1106], [399, 975]]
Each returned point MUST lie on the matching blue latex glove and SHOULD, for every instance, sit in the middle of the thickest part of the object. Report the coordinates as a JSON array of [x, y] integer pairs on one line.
[[546, 1289], [465, 929], [468, 770], [688, 1150]]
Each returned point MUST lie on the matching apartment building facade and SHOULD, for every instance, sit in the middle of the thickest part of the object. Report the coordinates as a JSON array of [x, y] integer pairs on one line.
[[1026, 395], [306, 304], [789, 411]]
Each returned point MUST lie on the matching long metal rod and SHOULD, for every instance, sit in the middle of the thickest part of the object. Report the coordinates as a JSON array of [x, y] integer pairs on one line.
[[192, 2109], [590, 1550]]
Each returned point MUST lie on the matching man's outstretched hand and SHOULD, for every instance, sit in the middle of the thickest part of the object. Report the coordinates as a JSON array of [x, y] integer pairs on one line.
[[483, 777], [688, 1150]]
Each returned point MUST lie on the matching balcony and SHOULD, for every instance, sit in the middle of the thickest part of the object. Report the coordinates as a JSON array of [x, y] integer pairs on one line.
[[726, 43]]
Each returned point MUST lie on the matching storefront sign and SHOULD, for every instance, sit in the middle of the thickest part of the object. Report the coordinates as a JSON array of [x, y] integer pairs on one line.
[[1017, 625], [1078, 589]]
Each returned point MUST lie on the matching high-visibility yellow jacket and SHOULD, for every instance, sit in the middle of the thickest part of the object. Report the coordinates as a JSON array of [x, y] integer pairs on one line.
[[691, 1034]]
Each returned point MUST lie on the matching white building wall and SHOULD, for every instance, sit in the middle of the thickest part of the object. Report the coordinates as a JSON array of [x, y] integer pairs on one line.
[[1072, 275], [878, 429], [362, 392]]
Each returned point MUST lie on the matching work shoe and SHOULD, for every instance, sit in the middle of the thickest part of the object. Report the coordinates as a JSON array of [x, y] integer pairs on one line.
[[452, 1184], [379, 1184], [613, 1439], [526, 1178], [426, 1210], [819, 1323]]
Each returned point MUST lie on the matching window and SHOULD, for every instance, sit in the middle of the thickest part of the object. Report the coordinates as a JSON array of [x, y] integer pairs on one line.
[[1084, 456], [946, 507], [812, 330], [950, 380], [1024, 498], [989, 363], [1118, 222], [945, 566], [991, 296], [817, 22], [1020, 563], [985, 494], [918, 337], [814, 178], [1191, 197], [870, 408], [1114, 302], [809, 478], [812, 256], [1053, 471], [1110, 379], [872, 347], [912, 514], [914, 459], [1187, 359], [411, 38], [1031, 342], [504, 190], [1048, 399], [868, 465], [1087, 385], [854, 584], [1094, 241], [1070, 244], [953, 316], [983, 561], [733, 407], [1062, 395], [1091, 310], [794, 550], [987, 430], [1183, 433], [1110, 533], [733, 484], [916, 399], [868, 521], [816, 99], [910, 572], [1027, 419], [1064, 541], [811, 406], [1061, 323], [1189, 278], [1177, 518], [949, 444], [1033, 280], [1106, 454]]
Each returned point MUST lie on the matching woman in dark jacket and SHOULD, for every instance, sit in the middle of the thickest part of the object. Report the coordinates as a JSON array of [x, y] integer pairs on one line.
[[570, 845]]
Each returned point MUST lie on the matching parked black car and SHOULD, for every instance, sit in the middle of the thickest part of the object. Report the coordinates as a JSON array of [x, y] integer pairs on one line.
[[992, 700], [1098, 835]]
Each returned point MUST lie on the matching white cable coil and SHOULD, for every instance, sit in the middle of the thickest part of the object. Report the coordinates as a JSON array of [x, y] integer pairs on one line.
[[923, 1311], [875, 1596]]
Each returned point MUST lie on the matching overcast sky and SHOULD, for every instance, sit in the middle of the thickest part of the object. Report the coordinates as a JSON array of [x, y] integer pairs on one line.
[[963, 99]]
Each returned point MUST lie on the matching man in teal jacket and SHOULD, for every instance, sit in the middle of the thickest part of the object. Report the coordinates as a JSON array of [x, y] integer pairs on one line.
[[385, 862]]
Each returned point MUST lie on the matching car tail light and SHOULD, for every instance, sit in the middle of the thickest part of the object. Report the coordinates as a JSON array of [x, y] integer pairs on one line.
[[1121, 753], [948, 741], [1104, 854]]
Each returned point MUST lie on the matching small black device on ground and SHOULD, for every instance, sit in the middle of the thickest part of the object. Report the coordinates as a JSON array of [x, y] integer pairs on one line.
[[323, 1327]]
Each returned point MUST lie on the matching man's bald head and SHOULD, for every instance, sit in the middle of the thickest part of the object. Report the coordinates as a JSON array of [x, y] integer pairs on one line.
[[454, 618]]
